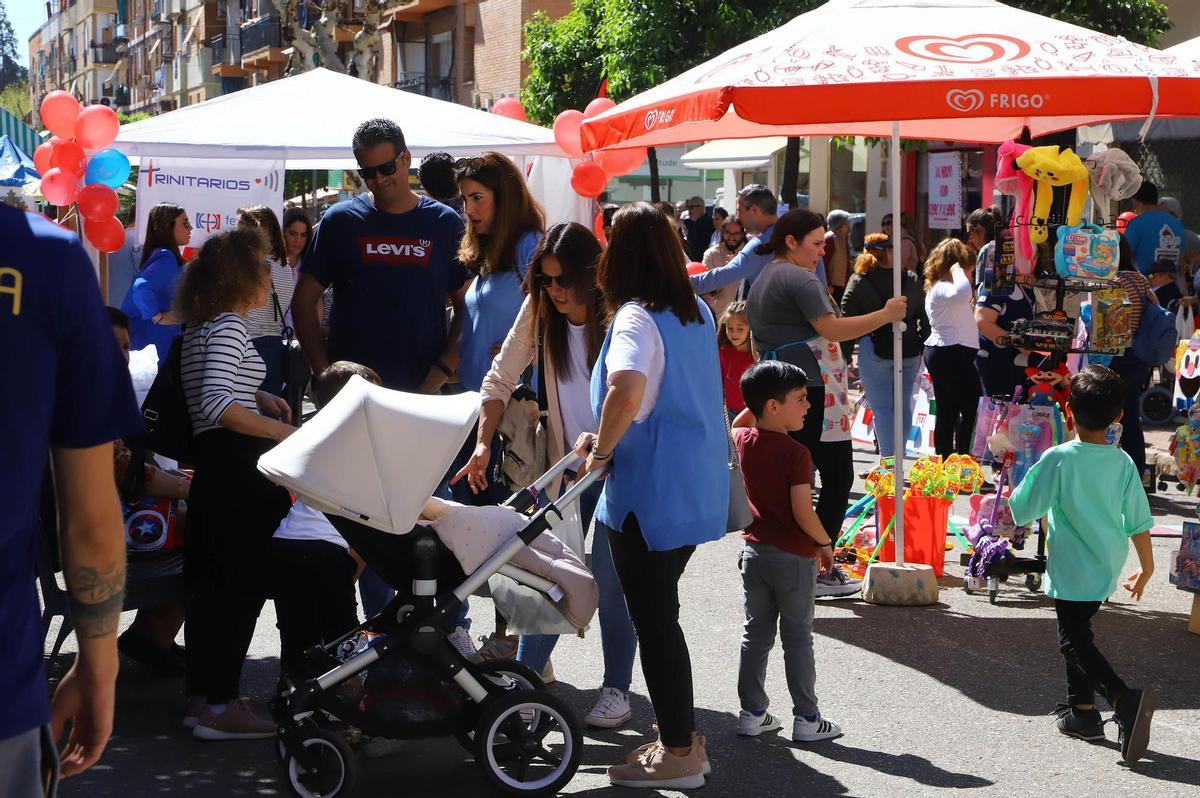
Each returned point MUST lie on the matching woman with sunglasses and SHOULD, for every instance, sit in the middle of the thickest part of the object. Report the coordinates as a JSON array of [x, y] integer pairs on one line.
[[867, 291], [148, 301], [911, 251], [564, 312]]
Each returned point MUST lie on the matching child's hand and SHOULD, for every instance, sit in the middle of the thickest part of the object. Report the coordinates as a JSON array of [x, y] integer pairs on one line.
[[825, 559], [1136, 582]]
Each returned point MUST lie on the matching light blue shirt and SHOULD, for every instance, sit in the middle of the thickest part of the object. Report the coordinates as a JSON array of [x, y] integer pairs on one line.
[[1095, 501], [491, 306], [746, 265], [1154, 235]]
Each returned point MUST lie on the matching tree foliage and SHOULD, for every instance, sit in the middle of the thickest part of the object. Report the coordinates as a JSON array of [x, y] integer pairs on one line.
[[1141, 21], [15, 98], [11, 70]]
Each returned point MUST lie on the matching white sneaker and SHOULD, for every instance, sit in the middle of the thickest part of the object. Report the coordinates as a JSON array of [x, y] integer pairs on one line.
[[237, 722], [804, 731], [751, 725], [610, 711], [195, 708], [460, 638], [836, 583]]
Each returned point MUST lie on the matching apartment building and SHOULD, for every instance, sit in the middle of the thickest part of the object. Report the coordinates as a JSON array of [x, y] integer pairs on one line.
[[166, 64], [75, 50]]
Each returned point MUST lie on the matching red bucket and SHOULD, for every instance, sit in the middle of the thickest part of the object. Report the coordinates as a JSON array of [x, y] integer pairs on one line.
[[925, 524]]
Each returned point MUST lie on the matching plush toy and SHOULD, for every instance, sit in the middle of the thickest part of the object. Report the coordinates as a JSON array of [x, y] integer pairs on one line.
[[1114, 175], [1049, 382], [1185, 446], [1049, 167], [1004, 527], [1014, 182], [1187, 372]]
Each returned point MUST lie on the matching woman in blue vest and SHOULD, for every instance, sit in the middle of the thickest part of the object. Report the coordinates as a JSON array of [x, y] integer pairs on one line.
[[656, 390], [148, 302]]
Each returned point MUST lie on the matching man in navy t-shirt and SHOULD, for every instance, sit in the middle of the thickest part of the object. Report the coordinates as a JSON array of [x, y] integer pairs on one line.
[[392, 259], [66, 391], [1154, 234]]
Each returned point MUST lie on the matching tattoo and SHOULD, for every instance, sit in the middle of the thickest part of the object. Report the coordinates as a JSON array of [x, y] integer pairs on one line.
[[96, 598]]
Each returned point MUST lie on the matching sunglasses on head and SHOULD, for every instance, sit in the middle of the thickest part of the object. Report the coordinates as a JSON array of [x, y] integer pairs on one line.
[[544, 280], [387, 168]]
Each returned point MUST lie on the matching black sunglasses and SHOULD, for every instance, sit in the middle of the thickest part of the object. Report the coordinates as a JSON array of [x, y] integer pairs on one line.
[[544, 280], [387, 168]]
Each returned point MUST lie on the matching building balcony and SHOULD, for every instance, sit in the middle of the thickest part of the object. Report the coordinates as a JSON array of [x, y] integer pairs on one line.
[[121, 97], [440, 88], [262, 44], [104, 54], [223, 52]]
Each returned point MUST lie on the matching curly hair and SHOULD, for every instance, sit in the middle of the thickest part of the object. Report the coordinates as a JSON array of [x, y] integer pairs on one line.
[[944, 257], [225, 277], [516, 213]]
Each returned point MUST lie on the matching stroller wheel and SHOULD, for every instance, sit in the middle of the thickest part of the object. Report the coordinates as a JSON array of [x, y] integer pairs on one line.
[[967, 586], [1157, 405], [528, 742], [333, 772], [506, 673]]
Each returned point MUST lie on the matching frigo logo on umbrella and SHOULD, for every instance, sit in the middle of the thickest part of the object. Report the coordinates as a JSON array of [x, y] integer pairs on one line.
[[967, 101]]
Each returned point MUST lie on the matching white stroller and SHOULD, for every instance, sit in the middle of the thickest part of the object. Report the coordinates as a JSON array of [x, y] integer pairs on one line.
[[369, 461]]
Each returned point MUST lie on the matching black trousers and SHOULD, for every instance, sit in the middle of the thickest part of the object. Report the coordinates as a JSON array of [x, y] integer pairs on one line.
[[232, 513], [834, 460], [312, 582], [1088, 672], [956, 390], [1134, 373], [650, 580]]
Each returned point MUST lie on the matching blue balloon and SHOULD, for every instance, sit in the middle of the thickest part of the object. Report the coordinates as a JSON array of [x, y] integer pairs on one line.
[[108, 168]]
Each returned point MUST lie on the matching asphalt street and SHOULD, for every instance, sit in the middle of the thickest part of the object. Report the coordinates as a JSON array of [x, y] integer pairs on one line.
[[933, 700]]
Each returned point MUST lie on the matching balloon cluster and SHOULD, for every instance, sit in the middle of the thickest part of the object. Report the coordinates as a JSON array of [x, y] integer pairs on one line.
[[78, 166], [592, 174]]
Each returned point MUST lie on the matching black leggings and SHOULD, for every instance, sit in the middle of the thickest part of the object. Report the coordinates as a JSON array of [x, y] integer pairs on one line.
[[834, 460], [956, 390], [650, 580], [1088, 672], [233, 511], [313, 585]]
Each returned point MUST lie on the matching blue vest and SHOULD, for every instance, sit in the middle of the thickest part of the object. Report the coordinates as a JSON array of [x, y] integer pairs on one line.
[[671, 471]]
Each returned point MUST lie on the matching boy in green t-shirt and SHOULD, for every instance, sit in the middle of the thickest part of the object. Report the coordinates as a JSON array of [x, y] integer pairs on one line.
[[1096, 503]]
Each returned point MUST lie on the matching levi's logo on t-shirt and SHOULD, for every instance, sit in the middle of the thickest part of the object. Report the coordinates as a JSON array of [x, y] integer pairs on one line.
[[396, 250]]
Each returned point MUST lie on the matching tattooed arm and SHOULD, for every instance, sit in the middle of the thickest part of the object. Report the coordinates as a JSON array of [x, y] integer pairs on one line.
[[93, 552]]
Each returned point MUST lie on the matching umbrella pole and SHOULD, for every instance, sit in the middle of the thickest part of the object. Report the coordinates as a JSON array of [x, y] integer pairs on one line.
[[898, 398]]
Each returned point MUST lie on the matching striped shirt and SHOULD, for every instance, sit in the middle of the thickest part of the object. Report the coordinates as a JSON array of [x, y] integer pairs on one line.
[[269, 320], [1138, 288], [220, 367]]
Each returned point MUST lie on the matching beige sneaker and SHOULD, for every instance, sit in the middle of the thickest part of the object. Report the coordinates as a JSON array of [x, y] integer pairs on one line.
[[548, 677], [698, 740], [659, 769], [497, 648], [237, 722]]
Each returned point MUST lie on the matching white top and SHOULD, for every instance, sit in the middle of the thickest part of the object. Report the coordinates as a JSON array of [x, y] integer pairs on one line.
[[219, 366], [574, 391], [266, 320], [304, 523], [637, 345], [950, 305]]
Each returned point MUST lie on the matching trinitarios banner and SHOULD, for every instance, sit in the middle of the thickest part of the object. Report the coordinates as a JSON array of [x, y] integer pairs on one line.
[[209, 190]]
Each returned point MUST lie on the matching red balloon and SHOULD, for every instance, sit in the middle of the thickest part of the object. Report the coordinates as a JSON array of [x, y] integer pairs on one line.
[[598, 229], [694, 268], [588, 180], [59, 188], [69, 157], [597, 107], [96, 126], [620, 162], [41, 156], [59, 110], [106, 235], [566, 133], [97, 202], [510, 107]]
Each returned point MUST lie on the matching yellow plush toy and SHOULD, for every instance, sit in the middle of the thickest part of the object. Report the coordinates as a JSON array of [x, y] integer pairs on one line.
[[1049, 167]]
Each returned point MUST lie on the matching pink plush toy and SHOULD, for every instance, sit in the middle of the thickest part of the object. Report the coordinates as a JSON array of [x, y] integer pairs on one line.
[[1011, 180]]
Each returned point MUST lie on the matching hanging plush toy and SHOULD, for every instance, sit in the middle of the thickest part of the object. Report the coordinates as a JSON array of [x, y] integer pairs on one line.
[[1014, 182], [1050, 167], [1114, 175], [1049, 384]]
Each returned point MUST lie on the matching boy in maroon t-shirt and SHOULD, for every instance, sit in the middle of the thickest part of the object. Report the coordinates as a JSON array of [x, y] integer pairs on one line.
[[784, 544]]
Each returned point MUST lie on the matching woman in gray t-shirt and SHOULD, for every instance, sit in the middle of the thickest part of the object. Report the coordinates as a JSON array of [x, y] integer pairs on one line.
[[789, 304]]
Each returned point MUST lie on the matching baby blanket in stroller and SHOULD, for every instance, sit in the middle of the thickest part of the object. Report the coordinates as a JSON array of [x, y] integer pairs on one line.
[[474, 533]]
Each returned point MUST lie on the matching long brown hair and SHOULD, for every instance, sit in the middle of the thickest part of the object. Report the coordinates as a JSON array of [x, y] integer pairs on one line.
[[577, 251], [265, 220], [516, 213], [643, 263], [160, 231], [226, 275], [797, 223], [943, 258], [867, 259]]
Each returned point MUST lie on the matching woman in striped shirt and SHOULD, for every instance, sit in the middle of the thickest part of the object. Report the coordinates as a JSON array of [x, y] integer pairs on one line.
[[233, 509]]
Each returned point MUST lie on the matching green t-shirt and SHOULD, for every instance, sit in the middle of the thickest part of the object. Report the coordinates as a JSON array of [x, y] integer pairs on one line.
[[1096, 502]]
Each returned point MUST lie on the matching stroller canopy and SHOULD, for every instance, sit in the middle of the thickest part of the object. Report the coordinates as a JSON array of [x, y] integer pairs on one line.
[[373, 455]]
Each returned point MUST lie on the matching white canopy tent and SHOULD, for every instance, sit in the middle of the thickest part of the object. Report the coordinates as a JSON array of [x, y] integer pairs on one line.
[[309, 119]]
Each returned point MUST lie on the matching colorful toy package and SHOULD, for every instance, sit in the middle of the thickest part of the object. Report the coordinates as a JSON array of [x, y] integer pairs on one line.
[[1185, 446], [1111, 319], [1027, 432], [1185, 574], [1087, 251]]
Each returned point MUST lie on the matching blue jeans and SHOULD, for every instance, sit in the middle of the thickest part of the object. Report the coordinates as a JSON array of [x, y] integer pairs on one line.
[[877, 378], [617, 638]]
